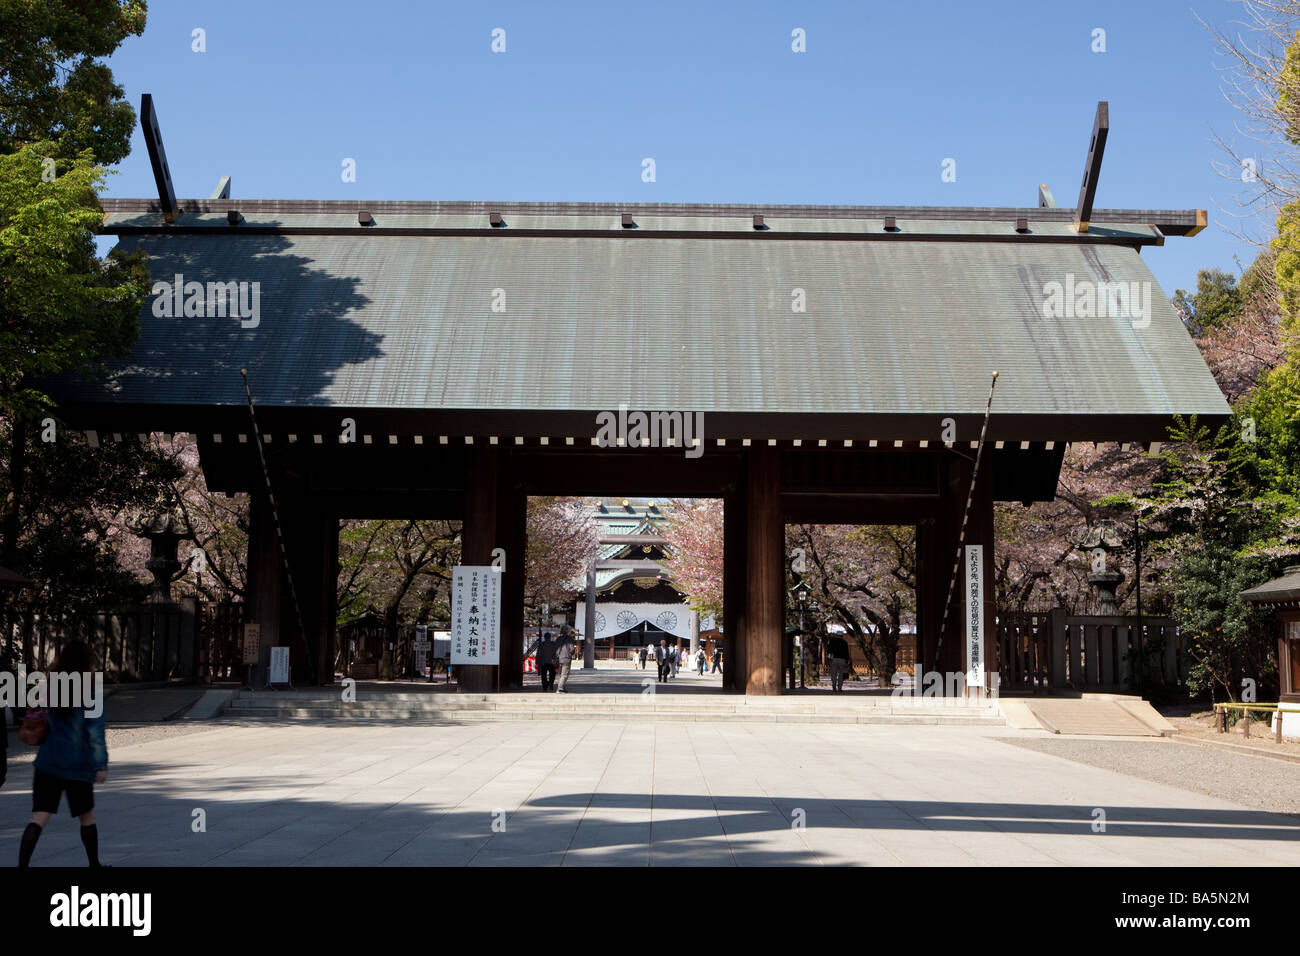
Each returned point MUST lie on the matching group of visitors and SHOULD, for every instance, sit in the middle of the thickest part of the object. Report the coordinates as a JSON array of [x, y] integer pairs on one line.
[[555, 656], [671, 656]]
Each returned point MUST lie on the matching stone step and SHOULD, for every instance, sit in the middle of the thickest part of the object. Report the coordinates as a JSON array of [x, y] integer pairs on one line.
[[306, 714], [573, 707], [620, 703], [1096, 716]]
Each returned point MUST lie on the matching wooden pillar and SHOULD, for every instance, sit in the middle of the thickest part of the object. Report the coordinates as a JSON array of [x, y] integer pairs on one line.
[[511, 521], [735, 583], [589, 620], [938, 557], [925, 588], [765, 615], [264, 589], [478, 539]]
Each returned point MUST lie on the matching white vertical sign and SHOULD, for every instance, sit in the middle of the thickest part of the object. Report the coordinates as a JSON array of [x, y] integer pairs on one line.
[[279, 665], [475, 615], [974, 604]]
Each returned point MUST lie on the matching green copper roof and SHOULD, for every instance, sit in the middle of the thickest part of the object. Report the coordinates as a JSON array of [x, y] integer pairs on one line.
[[905, 325]]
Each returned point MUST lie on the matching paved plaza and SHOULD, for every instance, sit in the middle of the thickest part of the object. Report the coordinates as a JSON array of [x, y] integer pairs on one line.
[[607, 792]]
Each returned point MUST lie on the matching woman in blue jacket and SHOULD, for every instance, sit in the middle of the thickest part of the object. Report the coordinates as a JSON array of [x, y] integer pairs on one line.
[[72, 759]]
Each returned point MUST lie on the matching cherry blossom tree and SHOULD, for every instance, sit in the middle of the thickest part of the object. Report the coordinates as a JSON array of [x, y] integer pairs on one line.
[[694, 532]]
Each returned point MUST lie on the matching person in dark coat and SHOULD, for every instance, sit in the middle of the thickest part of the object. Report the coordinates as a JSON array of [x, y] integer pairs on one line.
[[661, 658], [546, 661], [837, 649], [643, 657], [72, 759], [564, 652], [717, 659]]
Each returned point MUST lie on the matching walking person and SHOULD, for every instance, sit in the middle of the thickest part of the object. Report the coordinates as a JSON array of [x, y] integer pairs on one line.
[[674, 653], [546, 662], [661, 659], [837, 649], [564, 657], [72, 759], [643, 657], [717, 658], [699, 661]]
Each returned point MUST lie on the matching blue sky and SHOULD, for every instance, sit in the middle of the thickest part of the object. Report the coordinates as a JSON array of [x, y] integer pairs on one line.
[[712, 91]]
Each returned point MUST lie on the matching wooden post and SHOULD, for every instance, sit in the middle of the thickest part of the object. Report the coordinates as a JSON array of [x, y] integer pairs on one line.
[[264, 588], [589, 620], [765, 599], [926, 585], [1057, 644], [311, 545], [478, 539], [511, 522], [735, 584]]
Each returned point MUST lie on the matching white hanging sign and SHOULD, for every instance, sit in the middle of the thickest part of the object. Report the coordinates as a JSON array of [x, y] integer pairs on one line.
[[974, 604], [475, 615]]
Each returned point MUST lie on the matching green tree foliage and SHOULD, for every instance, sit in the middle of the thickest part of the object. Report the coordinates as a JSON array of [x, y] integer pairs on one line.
[[53, 87], [1213, 512], [1216, 302], [63, 310]]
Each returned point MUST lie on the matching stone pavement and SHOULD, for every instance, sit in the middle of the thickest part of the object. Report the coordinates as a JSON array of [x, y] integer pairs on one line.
[[609, 792]]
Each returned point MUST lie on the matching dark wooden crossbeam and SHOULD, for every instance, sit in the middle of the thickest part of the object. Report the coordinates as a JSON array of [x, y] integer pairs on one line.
[[162, 176], [1092, 168]]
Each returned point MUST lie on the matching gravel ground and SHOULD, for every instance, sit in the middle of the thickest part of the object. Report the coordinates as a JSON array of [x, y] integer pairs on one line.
[[117, 737], [1260, 783]]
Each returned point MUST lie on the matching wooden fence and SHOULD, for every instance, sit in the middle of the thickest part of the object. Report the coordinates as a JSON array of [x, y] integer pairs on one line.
[[185, 640], [1040, 651]]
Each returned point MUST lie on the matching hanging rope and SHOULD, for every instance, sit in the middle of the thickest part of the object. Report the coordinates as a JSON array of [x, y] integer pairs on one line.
[[961, 537], [275, 517]]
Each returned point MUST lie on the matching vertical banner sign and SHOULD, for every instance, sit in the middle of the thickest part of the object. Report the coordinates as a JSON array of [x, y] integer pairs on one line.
[[475, 615], [279, 665], [974, 615], [252, 643]]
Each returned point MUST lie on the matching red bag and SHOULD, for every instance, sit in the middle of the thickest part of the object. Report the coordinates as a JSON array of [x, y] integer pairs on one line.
[[35, 727]]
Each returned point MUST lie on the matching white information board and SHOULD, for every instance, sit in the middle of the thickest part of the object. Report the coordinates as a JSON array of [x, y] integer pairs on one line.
[[279, 665], [475, 615], [974, 604]]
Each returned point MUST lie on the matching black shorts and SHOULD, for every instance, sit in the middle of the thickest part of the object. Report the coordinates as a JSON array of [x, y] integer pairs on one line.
[[46, 791]]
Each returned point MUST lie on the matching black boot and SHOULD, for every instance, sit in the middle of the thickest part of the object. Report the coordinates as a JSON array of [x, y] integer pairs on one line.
[[30, 836], [90, 840]]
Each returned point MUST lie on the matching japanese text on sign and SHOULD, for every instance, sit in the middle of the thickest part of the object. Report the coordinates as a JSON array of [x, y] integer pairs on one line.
[[475, 615], [974, 604]]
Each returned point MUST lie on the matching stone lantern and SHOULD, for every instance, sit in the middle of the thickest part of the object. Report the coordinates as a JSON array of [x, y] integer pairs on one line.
[[1099, 541], [165, 528]]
